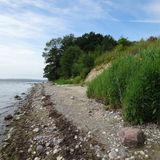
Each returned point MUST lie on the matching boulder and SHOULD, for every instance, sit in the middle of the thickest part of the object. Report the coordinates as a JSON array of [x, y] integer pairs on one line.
[[131, 137], [8, 117]]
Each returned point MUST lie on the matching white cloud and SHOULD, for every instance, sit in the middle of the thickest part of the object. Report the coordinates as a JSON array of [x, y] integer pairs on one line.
[[152, 21], [20, 61], [153, 8], [30, 25], [29, 21], [150, 13]]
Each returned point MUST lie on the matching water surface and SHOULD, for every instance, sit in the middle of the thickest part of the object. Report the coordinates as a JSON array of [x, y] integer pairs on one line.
[[8, 89]]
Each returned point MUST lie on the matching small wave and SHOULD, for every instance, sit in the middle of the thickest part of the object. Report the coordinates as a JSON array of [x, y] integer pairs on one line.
[[10, 106], [1, 114]]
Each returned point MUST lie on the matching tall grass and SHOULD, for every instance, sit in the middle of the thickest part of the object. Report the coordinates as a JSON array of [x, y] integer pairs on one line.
[[141, 102], [132, 83], [130, 50]]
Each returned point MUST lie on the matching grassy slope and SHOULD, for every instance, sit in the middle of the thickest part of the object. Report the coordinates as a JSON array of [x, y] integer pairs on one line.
[[125, 79]]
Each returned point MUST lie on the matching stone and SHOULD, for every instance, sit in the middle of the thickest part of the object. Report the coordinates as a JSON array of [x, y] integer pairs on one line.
[[36, 158], [8, 117], [113, 155], [39, 149], [17, 97], [131, 137], [59, 158], [36, 130], [72, 97]]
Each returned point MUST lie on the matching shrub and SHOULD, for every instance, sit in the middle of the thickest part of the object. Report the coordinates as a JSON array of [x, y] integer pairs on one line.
[[141, 101], [132, 82], [111, 84]]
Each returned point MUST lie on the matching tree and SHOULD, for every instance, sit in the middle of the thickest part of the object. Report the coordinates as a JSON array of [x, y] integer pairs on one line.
[[108, 43], [89, 41], [69, 57], [52, 53]]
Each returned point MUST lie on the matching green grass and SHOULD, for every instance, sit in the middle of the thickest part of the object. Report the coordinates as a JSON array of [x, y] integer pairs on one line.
[[75, 80], [133, 84], [130, 50]]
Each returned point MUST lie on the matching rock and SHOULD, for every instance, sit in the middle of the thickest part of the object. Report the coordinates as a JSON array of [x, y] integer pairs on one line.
[[39, 149], [17, 97], [36, 158], [36, 130], [23, 93], [43, 98], [29, 150], [131, 137], [113, 155], [72, 97], [8, 117], [59, 158], [117, 153]]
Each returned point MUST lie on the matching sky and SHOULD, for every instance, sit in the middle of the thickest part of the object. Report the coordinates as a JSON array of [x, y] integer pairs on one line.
[[26, 26]]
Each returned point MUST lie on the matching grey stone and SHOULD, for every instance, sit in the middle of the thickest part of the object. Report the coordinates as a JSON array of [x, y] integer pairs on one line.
[[39, 149]]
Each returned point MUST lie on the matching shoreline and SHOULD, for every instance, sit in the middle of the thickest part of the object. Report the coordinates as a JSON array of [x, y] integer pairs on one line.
[[12, 109], [71, 135], [61, 123]]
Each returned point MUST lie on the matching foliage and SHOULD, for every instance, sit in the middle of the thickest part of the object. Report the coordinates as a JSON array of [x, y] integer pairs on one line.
[[132, 49], [52, 54], [68, 59], [142, 98], [112, 82], [71, 56], [75, 80], [133, 83]]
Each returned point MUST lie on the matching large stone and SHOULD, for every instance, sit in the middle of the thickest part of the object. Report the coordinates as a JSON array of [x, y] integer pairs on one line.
[[8, 117], [131, 137]]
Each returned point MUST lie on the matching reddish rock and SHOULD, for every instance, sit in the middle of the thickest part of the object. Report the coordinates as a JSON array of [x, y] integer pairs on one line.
[[131, 137]]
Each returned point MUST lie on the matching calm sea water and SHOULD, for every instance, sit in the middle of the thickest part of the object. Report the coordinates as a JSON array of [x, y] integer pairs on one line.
[[8, 89]]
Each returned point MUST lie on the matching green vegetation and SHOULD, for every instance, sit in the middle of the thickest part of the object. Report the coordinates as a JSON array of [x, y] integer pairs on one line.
[[70, 57], [131, 49], [132, 83]]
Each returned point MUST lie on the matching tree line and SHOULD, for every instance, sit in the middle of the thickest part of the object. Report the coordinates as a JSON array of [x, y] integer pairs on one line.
[[70, 56]]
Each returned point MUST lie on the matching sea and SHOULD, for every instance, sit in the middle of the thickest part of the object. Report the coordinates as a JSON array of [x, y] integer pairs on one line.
[[9, 88]]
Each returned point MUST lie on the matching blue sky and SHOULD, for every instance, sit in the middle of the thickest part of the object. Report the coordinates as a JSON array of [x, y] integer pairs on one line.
[[26, 25]]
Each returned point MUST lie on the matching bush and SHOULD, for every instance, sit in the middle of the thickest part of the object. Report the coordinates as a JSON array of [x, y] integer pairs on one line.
[[133, 83], [142, 98], [111, 84]]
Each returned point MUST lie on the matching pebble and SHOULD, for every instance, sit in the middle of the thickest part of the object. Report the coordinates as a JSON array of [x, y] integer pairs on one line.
[[36, 130], [39, 148], [142, 153], [29, 150], [146, 156], [36, 158], [113, 155], [59, 158], [55, 151], [72, 97]]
